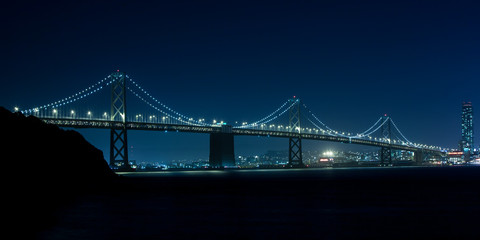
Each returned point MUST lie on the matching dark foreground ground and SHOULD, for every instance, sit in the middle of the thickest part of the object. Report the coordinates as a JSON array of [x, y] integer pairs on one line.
[[363, 203]]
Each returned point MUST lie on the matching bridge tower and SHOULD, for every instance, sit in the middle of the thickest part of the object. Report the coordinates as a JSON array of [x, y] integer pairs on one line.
[[118, 113], [386, 152], [295, 140]]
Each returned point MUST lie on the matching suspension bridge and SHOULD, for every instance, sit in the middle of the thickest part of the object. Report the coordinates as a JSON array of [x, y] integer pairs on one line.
[[292, 120]]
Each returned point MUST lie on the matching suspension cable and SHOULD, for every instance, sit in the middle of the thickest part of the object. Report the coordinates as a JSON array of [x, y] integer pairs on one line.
[[74, 97], [165, 113], [160, 103], [336, 133], [394, 125], [363, 133], [266, 119]]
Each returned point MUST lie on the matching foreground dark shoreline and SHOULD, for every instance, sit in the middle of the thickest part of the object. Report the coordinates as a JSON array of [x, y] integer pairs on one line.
[[358, 203]]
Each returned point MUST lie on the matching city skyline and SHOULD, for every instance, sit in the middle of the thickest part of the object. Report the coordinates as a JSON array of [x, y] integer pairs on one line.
[[238, 61]]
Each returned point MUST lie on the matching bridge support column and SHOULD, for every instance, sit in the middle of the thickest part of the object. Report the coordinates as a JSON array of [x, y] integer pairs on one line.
[[118, 113], [119, 149], [386, 152], [222, 148], [295, 152], [385, 156]]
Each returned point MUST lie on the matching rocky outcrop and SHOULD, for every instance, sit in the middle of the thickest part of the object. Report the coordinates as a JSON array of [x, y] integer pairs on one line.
[[45, 167]]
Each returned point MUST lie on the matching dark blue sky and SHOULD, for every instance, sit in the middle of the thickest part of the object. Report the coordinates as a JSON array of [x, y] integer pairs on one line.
[[349, 61]]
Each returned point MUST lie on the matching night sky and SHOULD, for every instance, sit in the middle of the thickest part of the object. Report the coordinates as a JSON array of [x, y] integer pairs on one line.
[[349, 61]]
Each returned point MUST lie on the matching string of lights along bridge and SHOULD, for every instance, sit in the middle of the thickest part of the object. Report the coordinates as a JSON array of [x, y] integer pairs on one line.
[[292, 120]]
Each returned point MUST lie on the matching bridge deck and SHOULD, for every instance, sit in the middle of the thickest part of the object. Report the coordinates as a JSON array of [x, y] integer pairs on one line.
[[106, 124]]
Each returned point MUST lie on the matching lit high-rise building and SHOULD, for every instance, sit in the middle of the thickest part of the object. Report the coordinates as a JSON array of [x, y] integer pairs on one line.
[[467, 127]]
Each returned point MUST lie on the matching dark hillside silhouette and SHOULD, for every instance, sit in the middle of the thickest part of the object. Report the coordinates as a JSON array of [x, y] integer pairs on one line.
[[45, 167]]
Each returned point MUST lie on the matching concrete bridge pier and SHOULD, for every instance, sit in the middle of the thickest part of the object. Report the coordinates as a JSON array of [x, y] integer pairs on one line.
[[222, 148], [418, 157]]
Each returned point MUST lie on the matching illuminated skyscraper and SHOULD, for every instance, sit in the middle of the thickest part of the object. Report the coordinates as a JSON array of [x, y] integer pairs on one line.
[[467, 127]]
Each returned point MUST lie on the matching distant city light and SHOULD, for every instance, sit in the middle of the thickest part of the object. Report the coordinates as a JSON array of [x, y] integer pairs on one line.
[[328, 154]]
